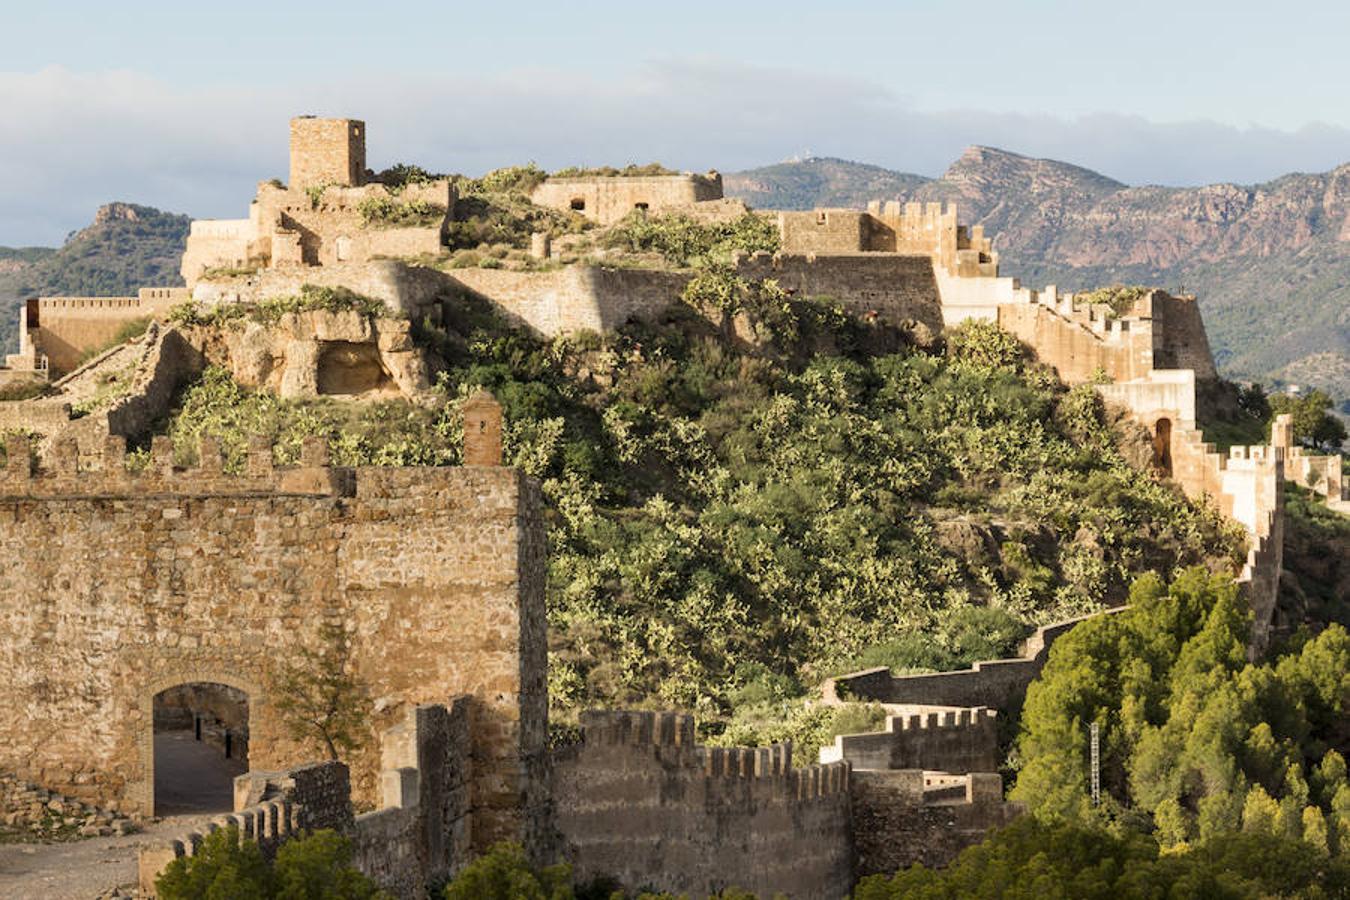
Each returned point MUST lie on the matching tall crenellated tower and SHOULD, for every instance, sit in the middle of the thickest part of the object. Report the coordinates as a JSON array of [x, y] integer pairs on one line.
[[327, 151]]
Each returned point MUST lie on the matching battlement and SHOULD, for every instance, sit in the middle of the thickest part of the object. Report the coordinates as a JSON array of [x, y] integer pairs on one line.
[[61, 473], [643, 729], [637, 800], [956, 741]]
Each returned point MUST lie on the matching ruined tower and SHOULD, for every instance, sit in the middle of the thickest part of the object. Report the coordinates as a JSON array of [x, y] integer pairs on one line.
[[327, 151]]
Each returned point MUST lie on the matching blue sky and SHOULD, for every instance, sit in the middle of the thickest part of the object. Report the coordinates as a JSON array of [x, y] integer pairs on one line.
[[184, 106]]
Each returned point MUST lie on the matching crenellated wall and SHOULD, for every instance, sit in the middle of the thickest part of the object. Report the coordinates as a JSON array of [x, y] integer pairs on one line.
[[638, 801], [959, 741], [169, 576]]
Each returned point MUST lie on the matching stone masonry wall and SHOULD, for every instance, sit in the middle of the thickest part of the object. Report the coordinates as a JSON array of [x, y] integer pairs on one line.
[[957, 742], [327, 151], [609, 199], [895, 827], [137, 582], [898, 288], [639, 802], [68, 327], [577, 298]]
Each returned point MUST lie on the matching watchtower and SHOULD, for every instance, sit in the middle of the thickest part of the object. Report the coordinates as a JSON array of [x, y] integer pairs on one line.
[[327, 151]]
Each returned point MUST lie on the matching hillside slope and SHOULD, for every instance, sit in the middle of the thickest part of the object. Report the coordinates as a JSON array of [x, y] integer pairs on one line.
[[1270, 262], [126, 247]]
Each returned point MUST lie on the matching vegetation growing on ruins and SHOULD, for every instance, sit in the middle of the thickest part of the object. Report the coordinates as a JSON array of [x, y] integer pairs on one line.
[[716, 505], [315, 867], [495, 213], [320, 698], [632, 170], [391, 212], [682, 241], [1121, 298], [1196, 741], [311, 298]]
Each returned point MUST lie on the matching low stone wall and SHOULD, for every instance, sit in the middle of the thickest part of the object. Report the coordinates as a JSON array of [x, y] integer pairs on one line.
[[999, 684], [420, 835], [639, 802], [895, 826], [576, 298], [409, 291], [956, 742], [271, 808]]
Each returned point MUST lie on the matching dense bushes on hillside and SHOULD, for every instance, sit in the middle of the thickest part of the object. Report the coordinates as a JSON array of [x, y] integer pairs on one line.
[[1033, 860], [1196, 741], [730, 523]]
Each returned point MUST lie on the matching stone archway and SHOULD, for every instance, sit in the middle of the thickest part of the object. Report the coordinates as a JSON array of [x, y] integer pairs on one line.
[[219, 686], [199, 745], [1162, 446]]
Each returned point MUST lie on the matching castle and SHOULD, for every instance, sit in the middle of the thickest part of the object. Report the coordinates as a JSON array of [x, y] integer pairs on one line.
[[204, 583]]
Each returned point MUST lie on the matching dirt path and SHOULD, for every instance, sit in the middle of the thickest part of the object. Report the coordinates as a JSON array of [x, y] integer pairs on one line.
[[191, 778]]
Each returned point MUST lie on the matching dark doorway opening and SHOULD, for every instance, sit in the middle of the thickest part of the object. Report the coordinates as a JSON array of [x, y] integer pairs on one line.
[[200, 745], [1162, 446]]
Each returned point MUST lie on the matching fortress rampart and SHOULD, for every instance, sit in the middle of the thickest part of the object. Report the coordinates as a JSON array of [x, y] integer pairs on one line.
[[64, 329], [637, 800], [169, 576], [901, 289], [964, 740], [608, 199], [329, 213]]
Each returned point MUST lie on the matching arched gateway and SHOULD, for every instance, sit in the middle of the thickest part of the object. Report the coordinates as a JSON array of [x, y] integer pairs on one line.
[[163, 602]]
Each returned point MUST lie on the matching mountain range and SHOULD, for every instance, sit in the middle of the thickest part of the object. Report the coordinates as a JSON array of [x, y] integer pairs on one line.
[[1270, 263]]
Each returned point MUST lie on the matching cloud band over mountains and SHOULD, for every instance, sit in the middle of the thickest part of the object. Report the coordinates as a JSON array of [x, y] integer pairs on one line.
[[73, 140]]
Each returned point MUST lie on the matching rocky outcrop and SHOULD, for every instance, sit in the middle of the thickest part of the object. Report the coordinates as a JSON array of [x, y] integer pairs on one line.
[[320, 353]]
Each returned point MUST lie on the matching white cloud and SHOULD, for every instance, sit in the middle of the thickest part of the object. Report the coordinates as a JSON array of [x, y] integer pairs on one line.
[[72, 141]]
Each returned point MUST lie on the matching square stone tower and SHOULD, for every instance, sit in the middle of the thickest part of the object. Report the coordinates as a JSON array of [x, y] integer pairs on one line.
[[327, 151]]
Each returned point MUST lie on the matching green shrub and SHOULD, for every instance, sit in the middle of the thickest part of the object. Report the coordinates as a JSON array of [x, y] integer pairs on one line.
[[1121, 298], [503, 873], [223, 868], [629, 171], [1065, 861], [314, 867], [684, 241], [391, 212]]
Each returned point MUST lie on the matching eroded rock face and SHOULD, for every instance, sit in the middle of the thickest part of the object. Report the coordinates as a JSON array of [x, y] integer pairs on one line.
[[320, 353]]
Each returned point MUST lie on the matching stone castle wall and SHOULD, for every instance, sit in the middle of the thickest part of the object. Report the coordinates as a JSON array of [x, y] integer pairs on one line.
[[639, 802], [577, 298], [900, 289], [327, 151], [609, 199], [896, 824], [168, 576], [69, 327], [959, 741]]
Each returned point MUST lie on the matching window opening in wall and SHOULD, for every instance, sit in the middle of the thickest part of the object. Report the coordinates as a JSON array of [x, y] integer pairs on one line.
[[820, 218], [642, 206], [578, 204]]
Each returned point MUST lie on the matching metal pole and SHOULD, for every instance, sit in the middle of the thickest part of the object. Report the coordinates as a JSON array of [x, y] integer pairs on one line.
[[1095, 737]]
